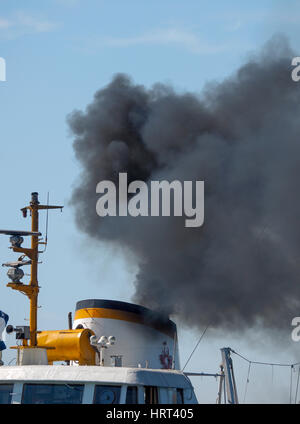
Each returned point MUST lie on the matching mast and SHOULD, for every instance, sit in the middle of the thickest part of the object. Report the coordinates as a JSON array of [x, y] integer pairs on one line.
[[230, 384], [41, 347], [31, 290]]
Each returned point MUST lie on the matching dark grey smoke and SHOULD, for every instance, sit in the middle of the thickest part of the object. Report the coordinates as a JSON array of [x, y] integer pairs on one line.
[[242, 137]]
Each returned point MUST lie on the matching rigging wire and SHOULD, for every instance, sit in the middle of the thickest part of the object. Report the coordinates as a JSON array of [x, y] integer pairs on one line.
[[225, 396], [13, 359], [297, 385], [277, 364], [291, 383], [272, 375], [201, 337], [247, 381]]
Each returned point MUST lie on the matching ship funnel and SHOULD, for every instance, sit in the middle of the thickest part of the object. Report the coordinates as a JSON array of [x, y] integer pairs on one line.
[[133, 333]]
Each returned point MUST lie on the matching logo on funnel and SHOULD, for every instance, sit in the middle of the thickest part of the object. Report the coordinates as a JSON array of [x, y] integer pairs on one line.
[[165, 357]]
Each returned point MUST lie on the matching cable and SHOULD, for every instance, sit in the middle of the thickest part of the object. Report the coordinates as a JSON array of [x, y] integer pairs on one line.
[[296, 395], [291, 383], [13, 359], [265, 363], [195, 348], [247, 381], [292, 366]]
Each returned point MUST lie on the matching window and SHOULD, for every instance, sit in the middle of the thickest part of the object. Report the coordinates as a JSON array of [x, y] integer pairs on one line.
[[151, 394], [52, 393], [107, 394], [131, 395], [179, 396], [5, 393]]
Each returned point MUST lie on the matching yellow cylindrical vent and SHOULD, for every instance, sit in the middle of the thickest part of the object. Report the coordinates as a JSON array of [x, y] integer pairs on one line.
[[68, 345]]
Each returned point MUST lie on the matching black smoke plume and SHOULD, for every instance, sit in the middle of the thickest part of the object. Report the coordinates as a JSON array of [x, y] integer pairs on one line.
[[242, 137]]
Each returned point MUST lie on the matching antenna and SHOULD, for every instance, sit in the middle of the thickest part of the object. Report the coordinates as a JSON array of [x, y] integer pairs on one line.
[[46, 236], [47, 215]]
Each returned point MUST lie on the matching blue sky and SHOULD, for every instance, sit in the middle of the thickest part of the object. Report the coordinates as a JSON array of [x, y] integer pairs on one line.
[[58, 53]]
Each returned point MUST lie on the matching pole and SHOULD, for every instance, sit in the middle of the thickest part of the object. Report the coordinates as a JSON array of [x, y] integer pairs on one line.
[[229, 376], [34, 268], [219, 398]]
